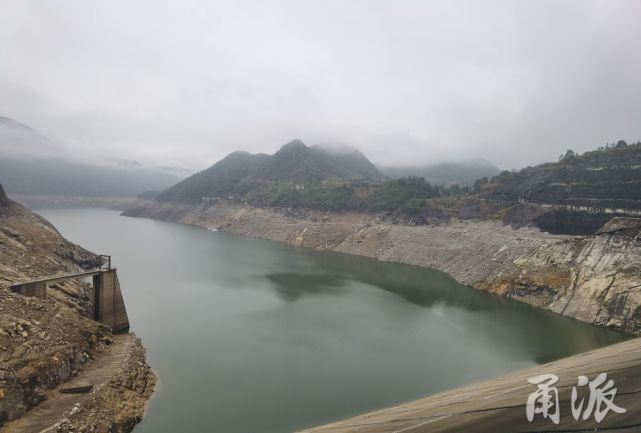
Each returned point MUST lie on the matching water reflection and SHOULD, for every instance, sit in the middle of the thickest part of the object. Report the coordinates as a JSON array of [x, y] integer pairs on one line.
[[290, 286], [542, 336]]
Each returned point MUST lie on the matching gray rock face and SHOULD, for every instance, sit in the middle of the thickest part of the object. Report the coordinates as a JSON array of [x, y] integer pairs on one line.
[[596, 279], [622, 225]]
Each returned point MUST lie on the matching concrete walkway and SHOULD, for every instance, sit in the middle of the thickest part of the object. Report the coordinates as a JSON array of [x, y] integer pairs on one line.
[[499, 405], [97, 373]]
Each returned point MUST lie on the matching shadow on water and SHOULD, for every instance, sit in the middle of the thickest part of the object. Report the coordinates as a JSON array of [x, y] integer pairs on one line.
[[291, 286], [545, 335]]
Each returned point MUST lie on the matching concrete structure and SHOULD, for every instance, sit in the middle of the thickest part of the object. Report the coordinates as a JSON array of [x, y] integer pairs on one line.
[[209, 201], [499, 405], [109, 306]]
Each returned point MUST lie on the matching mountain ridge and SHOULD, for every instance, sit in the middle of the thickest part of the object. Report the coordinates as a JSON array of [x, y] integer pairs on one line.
[[293, 163], [34, 165]]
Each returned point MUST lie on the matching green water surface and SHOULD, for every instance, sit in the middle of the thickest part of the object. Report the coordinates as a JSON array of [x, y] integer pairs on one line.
[[251, 336]]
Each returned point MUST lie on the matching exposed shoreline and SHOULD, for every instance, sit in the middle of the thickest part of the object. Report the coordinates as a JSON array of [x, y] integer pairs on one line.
[[123, 384], [52, 341], [595, 279]]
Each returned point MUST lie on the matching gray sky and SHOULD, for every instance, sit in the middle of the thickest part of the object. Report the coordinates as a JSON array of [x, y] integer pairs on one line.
[[186, 82]]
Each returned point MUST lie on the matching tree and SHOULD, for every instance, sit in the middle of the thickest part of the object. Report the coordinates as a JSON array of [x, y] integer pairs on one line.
[[480, 182], [569, 156]]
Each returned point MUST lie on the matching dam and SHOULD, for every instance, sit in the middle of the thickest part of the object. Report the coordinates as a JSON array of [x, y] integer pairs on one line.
[[500, 405], [109, 305]]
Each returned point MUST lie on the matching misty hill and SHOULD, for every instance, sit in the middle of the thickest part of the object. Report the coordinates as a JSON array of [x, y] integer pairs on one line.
[[58, 177], [12, 124], [240, 173], [607, 177], [19, 139], [446, 173], [32, 164]]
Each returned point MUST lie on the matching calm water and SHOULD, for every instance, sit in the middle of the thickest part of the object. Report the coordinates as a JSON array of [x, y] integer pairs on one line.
[[251, 336]]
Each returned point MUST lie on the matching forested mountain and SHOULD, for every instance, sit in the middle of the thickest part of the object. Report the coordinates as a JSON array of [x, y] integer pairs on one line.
[[298, 176], [604, 178], [302, 177], [295, 164]]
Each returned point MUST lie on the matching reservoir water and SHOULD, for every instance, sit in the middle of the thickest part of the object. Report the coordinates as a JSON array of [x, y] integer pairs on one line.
[[251, 336]]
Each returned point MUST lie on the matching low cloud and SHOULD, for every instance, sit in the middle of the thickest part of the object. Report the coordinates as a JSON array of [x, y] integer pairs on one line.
[[184, 83]]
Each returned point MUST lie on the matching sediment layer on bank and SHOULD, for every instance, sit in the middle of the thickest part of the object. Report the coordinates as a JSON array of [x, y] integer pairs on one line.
[[596, 279]]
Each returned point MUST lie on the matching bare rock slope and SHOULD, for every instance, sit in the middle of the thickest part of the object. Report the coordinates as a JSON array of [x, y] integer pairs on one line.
[[596, 279], [44, 342]]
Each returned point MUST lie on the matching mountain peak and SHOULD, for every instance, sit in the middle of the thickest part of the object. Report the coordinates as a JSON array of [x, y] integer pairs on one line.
[[241, 173], [294, 145], [337, 149], [238, 154]]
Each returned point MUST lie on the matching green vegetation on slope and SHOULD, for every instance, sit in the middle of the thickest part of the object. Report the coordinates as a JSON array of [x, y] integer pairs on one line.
[[294, 164], [609, 177], [299, 177], [408, 196]]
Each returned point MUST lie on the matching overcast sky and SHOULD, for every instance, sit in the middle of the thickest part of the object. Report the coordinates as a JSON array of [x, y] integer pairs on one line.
[[186, 82]]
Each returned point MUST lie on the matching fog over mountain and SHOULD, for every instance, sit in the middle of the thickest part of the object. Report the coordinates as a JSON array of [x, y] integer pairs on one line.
[[446, 173], [18, 139], [33, 164], [182, 84]]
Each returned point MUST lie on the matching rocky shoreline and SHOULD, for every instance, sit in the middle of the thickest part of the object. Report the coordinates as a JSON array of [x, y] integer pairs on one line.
[[47, 342], [118, 405], [595, 279]]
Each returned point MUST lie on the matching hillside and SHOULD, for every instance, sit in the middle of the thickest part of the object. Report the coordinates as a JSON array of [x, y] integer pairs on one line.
[[604, 178], [32, 164], [49, 176], [576, 195], [463, 173], [293, 164], [46, 342]]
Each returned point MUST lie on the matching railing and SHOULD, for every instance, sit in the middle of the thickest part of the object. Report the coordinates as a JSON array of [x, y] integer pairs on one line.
[[207, 201], [582, 208]]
